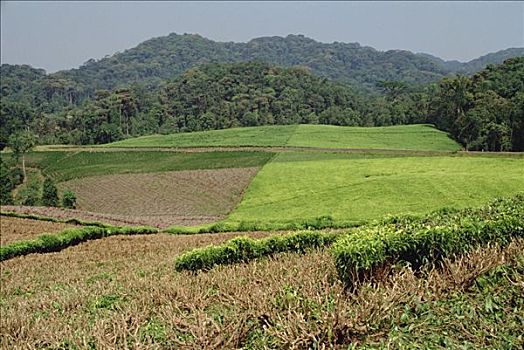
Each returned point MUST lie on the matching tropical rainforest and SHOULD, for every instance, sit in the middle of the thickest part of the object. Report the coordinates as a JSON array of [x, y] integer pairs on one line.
[[182, 83]]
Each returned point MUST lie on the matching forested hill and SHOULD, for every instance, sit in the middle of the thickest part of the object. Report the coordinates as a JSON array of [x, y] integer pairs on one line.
[[477, 64], [162, 58]]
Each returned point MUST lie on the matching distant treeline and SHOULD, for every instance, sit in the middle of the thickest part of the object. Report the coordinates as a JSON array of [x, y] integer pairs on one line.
[[482, 112]]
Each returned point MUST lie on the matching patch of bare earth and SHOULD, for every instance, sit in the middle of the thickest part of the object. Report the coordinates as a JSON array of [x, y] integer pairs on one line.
[[188, 197], [18, 229], [123, 292]]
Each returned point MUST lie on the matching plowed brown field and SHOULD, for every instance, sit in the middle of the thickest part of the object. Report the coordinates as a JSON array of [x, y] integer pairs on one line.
[[18, 229], [189, 197]]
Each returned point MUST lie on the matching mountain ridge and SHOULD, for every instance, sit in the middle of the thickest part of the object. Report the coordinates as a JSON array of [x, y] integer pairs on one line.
[[162, 58]]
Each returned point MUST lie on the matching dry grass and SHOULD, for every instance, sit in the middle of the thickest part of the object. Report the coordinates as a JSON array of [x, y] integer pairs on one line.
[[189, 197], [17, 229], [122, 292]]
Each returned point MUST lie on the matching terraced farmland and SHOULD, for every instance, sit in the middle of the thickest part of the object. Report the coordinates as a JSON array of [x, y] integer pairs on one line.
[[19, 229], [288, 290], [187, 197], [407, 137], [298, 186]]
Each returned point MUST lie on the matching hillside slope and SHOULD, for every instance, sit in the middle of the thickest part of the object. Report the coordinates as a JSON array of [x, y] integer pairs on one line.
[[401, 137], [164, 57]]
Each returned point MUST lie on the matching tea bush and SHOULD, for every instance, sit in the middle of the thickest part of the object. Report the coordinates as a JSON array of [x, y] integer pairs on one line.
[[51, 243], [427, 239], [243, 249]]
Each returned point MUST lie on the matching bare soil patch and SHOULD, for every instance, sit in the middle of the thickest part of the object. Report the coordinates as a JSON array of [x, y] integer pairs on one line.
[[188, 197], [19, 229]]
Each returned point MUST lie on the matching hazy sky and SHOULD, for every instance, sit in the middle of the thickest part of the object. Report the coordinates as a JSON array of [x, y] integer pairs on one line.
[[61, 35]]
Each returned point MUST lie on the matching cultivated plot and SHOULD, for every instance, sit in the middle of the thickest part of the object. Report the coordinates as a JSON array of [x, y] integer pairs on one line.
[[188, 197], [19, 229], [400, 137], [122, 290], [276, 135], [404, 137], [301, 186]]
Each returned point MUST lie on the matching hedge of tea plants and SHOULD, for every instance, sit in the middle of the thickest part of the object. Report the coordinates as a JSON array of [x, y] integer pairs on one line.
[[359, 251], [243, 249], [45, 243], [428, 239]]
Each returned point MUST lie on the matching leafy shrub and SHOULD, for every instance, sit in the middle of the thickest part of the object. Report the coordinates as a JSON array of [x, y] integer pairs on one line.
[[243, 249], [17, 176], [428, 239], [31, 194], [51, 243], [69, 200], [49, 193], [6, 184], [247, 226]]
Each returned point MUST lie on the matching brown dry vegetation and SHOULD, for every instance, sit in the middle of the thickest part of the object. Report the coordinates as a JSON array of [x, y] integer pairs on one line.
[[18, 229], [122, 292], [189, 197]]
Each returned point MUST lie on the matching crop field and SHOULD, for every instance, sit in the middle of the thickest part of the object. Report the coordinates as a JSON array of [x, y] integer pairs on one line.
[[18, 229], [329, 288], [277, 135], [63, 166], [179, 197], [121, 291], [407, 137], [297, 186]]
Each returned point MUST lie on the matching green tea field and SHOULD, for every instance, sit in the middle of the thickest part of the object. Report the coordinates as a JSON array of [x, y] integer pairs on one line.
[[350, 238]]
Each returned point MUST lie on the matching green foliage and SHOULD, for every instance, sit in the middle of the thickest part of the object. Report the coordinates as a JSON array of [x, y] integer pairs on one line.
[[69, 200], [162, 86], [243, 249], [414, 137], [317, 223], [264, 136], [51, 243], [359, 187], [49, 193], [484, 112], [21, 142], [63, 166], [429, 239], [30, 193], [6, 184]]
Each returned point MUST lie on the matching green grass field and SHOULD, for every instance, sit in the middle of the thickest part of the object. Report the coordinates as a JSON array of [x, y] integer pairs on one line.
[[63, 166], [303, 186], [408, 137], [405, 137], [277, 135]]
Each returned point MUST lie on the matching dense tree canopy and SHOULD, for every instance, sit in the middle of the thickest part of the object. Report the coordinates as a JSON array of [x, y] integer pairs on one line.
[[169, 85], [486, 111]]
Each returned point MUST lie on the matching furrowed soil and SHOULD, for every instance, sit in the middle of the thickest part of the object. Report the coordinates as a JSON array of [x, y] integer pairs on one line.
[[122, 292], [175, 197], [19, 229]]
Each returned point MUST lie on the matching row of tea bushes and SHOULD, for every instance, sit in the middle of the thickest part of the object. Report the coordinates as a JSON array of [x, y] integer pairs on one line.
[[318, 223], [72, 221], [243, 249], [428, 239], [359, 251], [55, 242]]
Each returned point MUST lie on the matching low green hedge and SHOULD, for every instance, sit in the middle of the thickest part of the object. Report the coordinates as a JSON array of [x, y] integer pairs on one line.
[[428, 239], [318, 223], [72, 221], [243, 249], [55, 242]]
